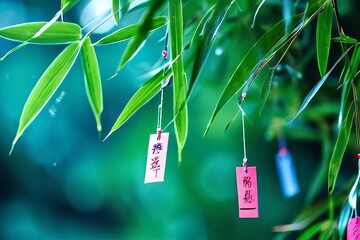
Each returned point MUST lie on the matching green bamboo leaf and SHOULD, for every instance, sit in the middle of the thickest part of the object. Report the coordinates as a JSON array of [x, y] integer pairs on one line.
[[323, 36], [249, 65], [270, 43], [92, 80], [179, 78], [316, 88], [203, 23], [36, 35], [344, 39], [312, 231], [138, 4], [345, 215], [204, 37], [265, 91], [57, 33], [288, 11], [328, 231], [66, 5], [138, 41], [339, 149], [308, 216], [354, 65], [125, 6], [116, 10], [130, 31], [350, 72], [140, 98], [46, 87]]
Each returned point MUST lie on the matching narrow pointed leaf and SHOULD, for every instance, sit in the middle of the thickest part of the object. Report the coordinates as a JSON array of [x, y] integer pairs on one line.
[[204, 36], [46, 87], [140, 98], [311, 232], [125, 6], [179, 78], [92, 80], [269, 44], [354, 65], [349, 76], [345, 215], [288, 11], [36, 35], [202, 26], [130, 31], [57, 33], [344, 39], [316, 88], [308, 216], [323, 36], [116, 10], [66, 5], [265, 91], [339, 150], [138, 41]]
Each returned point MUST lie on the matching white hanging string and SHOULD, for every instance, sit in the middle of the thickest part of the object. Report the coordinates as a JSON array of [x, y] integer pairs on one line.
[[164, 53], [159, 117], [244, 139]]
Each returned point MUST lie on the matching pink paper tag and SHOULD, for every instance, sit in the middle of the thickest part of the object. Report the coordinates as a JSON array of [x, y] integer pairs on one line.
[[156, 158], [247, 192], [353, 229]]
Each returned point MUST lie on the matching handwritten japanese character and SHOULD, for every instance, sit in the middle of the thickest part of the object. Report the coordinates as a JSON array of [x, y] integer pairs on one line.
[[248, 197], [247, 182], [156, 148]]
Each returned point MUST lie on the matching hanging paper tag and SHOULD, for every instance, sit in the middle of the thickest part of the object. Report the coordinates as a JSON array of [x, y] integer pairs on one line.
[[287, 173], [247, 192], [156, 158], [353, 229]]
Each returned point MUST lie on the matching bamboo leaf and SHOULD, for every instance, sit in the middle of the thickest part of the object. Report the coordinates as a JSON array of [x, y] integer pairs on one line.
[[316, 88], [57, 33], [339, 149], [202, 26], [46, 87], [350, 72], [307, 217], [92, 80], [265, 91], [344, 219], [345, 39], [270, 43], [250, 64], [116, 10], [36, 35], [179, 78], [323, 36], [140, 98], [312, 231], [354, 65], [130, 31], [138, 41], [125, 5], [204, 36], [66, 5]]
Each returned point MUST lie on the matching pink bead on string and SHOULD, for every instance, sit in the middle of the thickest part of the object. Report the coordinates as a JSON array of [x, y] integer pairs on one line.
[[164, 53]]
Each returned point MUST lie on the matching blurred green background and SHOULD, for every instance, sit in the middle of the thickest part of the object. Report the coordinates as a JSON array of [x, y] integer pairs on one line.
[[63, 182]]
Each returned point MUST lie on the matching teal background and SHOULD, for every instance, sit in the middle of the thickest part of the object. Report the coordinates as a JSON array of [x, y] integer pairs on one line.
[[63, 182]]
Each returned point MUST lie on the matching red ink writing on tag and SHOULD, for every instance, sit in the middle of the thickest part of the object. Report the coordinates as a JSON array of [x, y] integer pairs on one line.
[[353, 229], [156, 158], [247, 192]]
